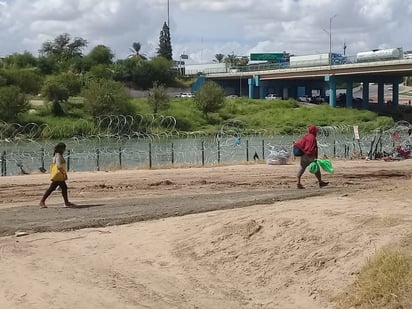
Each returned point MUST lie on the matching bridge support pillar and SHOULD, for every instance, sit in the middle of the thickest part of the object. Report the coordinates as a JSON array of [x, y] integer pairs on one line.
[[251, 83], [395, 96], [332, 90], [381, 95], [349, 94], [365, 95]]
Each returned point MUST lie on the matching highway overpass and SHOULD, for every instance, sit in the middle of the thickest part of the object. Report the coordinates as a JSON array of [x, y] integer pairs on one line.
[[294, 82]]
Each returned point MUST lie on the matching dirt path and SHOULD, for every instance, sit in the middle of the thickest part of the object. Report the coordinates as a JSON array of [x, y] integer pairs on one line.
[[127, 210], [110, 198]]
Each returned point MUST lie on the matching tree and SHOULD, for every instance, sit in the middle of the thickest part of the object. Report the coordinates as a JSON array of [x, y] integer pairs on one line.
[[143, 73], [135, 51], [100, 54], [63, 48], [219, 58], [19, 61], [100, 71], [58, 88], [209, 98], [158, 69], [12, 103], [158, 98], [165, 46], [231, 60], [47, 65], [28, 80], [57, 93], [106, 97]]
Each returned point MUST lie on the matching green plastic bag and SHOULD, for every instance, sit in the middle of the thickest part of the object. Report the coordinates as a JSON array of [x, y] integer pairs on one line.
[[326, 165], [313, 167]]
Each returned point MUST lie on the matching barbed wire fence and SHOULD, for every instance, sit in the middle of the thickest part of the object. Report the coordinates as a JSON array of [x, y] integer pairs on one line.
[[126, 141]]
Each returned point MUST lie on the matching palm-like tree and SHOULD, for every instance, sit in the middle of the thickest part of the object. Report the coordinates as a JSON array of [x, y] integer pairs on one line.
[[219, 58], [231, 60], [135, 51]]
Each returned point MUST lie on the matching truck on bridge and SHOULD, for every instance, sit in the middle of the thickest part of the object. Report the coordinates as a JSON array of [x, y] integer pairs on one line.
[[380, 55], [316, 60]]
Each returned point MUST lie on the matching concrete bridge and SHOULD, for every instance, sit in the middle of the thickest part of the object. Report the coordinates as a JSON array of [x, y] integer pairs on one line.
[[295, 82]]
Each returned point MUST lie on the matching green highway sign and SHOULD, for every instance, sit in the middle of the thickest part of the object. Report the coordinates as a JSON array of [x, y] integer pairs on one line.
[[267, 57]]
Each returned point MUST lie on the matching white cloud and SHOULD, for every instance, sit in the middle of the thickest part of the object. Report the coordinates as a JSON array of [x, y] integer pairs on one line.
[[203, 28]]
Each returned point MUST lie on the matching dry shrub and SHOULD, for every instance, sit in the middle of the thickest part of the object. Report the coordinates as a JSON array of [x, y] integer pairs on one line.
[[384, 282]]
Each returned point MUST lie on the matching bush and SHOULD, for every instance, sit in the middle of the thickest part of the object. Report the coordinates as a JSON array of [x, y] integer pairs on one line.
[[106, 97], [158, 98], [12, 103], [26, 79], [209, 98]]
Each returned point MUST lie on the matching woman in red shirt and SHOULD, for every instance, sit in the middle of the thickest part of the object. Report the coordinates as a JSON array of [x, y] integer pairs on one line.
[[309, 146]]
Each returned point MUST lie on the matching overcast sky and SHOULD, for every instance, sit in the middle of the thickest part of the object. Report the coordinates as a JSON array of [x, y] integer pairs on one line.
[[203, 28]]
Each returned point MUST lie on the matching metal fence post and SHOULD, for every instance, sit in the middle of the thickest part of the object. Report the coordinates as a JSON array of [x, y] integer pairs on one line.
[[247, 150], [203, 153], [42, 158], [150, 155], [98, 159], [218, 151], [263, 149], [120, 156], [173, 154], [3, 164], [68, 159]]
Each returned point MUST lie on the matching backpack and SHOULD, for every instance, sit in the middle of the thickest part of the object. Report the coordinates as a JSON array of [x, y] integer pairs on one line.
[[297, 152]]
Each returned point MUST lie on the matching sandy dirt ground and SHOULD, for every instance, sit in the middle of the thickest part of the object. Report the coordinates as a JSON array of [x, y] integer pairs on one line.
[[234, 236]]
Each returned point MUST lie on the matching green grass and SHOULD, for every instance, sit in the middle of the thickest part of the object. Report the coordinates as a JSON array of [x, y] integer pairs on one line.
[[272, 116], [188, 117], [141, 106], [280, 116], [60, 127]]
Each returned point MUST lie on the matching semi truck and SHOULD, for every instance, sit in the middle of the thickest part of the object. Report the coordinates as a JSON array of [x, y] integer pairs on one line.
[[316, 60], [380, 55]]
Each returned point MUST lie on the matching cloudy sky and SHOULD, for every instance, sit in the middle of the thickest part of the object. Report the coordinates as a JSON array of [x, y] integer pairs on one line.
[[203, 28]]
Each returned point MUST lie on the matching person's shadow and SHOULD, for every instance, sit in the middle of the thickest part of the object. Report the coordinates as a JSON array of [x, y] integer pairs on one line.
[[80, 206]]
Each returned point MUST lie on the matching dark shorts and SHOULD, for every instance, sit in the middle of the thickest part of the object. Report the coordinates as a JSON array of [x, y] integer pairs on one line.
[[305, 160]]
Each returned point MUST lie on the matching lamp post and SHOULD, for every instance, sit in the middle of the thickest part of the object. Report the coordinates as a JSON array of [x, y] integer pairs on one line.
[[330, 39], [168, 14]]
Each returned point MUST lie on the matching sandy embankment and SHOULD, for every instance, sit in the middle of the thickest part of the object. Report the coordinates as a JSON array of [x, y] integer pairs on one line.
[[290, 254]]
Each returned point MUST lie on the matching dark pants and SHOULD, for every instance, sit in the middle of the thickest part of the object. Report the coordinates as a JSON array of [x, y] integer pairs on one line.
[[304, 163], [53, 186]]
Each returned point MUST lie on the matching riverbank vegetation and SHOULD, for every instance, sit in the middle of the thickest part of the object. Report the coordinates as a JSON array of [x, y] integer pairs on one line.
[[239, 115], [69, 92]]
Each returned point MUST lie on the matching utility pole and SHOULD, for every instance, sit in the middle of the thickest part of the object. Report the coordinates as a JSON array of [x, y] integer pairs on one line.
[[168, 14], [330, 39]]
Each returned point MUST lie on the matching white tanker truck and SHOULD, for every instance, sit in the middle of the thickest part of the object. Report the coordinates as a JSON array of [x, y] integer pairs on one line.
[[380, 55]]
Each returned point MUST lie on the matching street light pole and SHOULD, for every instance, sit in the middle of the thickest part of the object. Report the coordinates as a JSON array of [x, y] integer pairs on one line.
[[168, 14], [330, 39]]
